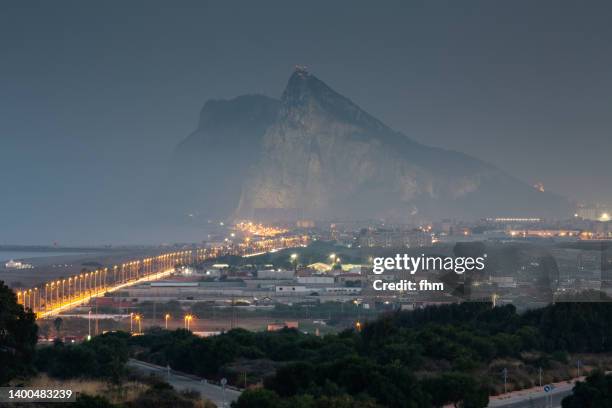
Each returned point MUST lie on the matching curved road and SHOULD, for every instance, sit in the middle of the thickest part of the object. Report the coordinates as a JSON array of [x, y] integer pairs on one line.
[[536, 399], [181, 382]]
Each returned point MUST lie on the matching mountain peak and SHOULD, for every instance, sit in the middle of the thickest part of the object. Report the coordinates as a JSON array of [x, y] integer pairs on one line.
[[305, 92], [300, 85], [318, 154]]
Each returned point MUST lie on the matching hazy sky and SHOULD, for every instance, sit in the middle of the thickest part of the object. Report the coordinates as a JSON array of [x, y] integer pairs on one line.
[[95, 95]]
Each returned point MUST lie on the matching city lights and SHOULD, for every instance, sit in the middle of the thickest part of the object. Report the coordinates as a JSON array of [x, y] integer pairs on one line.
[[63, 294], [138, 318], [260, 230], [188, 318]]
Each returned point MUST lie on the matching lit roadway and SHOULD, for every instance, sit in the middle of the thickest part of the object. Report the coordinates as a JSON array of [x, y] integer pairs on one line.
[[83, 299], [535, 399], [53, 297], [212, 392]]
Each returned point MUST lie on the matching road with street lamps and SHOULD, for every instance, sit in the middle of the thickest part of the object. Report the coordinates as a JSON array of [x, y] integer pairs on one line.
[[536, 398], [182, 382]]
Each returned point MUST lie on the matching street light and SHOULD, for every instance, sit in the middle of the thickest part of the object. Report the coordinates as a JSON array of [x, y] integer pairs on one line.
[[294, 258], [137, 317], [334, 259], [166, 317], [131, 322], [188, 319]]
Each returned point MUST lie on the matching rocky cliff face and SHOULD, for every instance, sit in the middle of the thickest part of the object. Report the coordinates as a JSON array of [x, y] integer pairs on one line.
[[211, 164], [317, 154], [324, 157]]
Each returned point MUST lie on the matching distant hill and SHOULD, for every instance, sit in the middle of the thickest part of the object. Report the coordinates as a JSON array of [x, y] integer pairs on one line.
[[211, 164], [316, 154]]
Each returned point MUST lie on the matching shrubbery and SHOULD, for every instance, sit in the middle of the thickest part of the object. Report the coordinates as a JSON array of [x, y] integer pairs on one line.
[[428, 357], [595, 392], [102, 357], [18, 335], [380, 364]]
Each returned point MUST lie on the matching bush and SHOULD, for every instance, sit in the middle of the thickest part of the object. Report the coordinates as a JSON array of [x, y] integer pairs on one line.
[[18, 336], [103, 357], [595, 392], [88, 401]]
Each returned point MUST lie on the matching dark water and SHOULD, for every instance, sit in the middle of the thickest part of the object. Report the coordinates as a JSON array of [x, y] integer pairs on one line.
[[21, 255]]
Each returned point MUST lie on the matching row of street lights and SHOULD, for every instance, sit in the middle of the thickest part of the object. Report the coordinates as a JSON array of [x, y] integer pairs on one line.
[[189, 317], [138, 318], [66, 292], [335, 259], [63, 292]]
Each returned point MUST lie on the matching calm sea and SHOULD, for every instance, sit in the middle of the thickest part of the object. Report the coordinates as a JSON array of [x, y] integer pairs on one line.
[[20, 255]]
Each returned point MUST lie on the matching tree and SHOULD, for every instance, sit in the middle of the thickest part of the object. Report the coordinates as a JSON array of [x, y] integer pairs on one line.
[[111, 353], [345, 401], [292, 378], [103, 357], [88, 401], [18, 336], [57, 323], [459, 389], [167, 397], [260, 398], [595, 392]]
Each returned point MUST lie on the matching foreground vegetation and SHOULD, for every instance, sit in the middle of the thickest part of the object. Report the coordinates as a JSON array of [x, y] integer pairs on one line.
[[96, 369], [595, 392], [429, 357], [452, 354]]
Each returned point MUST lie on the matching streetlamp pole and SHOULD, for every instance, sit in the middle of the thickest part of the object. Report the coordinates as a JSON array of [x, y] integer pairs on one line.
[[188, 321], [223, 383], [540, 372], [294, 261]]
